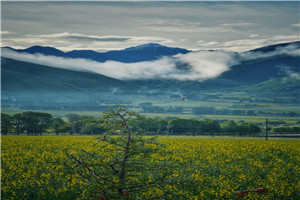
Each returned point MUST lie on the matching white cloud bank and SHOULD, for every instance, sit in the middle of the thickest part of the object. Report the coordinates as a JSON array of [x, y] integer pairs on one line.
[[69, 41], [200, 65], [203, 65], [291, 50], [241, 45]]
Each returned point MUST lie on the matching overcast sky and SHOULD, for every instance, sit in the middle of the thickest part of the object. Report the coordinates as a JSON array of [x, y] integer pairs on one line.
[[101, 26]]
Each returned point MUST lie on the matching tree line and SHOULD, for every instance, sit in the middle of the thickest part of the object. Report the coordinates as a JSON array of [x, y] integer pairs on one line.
[[285, 130], [204, 110], [36, 123]]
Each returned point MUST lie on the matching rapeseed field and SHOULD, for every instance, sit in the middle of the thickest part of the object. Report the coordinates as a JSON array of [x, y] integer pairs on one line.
[[201, 169]]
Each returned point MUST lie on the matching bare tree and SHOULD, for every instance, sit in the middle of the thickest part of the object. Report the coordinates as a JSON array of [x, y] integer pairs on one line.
[[122, 162]]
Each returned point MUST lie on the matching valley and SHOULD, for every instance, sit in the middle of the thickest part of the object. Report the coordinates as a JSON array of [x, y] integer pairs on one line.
[[265, 86], [164, 100]]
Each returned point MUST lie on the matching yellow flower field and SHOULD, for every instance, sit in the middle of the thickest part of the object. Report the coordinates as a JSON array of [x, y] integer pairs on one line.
[[202, 168]]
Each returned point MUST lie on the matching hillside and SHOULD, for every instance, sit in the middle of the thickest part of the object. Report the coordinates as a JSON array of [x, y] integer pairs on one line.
[[274, 75], [247, 72], [258, 70], [31, 80]]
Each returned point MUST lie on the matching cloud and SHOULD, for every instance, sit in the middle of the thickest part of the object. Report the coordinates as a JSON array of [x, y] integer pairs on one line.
[[209, 21], [254, 41], [254, 36], [291, 50], [178, 26], [205, 64], [240, 24], [202, 65], [69, 41], [78, 36], [103, 39], [288, 72], [6, 32], [82, 37], [296, 25], [195, 66]]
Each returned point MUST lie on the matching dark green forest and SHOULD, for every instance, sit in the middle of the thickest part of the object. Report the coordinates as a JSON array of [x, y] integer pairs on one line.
[[37, 123]]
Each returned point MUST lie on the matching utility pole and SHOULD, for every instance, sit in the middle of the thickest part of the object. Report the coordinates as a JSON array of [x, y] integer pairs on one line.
[[267, 129], [168, 128]]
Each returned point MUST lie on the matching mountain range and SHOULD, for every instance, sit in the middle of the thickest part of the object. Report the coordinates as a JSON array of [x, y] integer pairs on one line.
[[268, 74], [146, 52]]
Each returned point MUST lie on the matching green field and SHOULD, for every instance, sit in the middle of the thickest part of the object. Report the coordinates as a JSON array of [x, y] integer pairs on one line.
[[134, 102], [201, 168]]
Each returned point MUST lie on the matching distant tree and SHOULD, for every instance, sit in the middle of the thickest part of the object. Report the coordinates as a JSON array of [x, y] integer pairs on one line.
[[251, 113], [32, 122], [188, 126], [248, 128], [286, 130], [295, 129], [77, 126], [6, 125], [179, 126], [229, 127], [203, 110], [18, 123], [222, 112], [176, 109], [73, 117], [293, 114], [146, 104], [92, 125], [145, 126], [162, 126], [277, 122], [44, 122], [58, 125], [277, 130], [213, 126], [238, 112], [255, 129], [243, 128], [153, 109], [67, 127]]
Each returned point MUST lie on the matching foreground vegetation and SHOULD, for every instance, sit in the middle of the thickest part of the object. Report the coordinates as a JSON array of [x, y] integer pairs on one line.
[[199, 169], [124, 164]]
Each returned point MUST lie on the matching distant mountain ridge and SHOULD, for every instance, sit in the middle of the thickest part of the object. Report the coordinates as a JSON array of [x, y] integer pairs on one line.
[[276, 46], [145, 52], [32, 81], [247, 72]]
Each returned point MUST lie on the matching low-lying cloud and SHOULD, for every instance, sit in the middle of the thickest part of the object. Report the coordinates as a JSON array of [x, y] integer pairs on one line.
[[290, 50], [203, 65], [197, 66], [288, 72]]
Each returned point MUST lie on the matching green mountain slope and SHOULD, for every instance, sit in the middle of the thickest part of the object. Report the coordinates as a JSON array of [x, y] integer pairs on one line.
[[259, 70], [276, 75], [284, 85], [27, 79]]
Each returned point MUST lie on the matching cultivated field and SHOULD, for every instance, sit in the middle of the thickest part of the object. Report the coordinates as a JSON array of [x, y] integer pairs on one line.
[[202, 168]]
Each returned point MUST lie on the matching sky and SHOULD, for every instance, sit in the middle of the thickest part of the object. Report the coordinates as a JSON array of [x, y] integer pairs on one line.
[[102, 26]]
